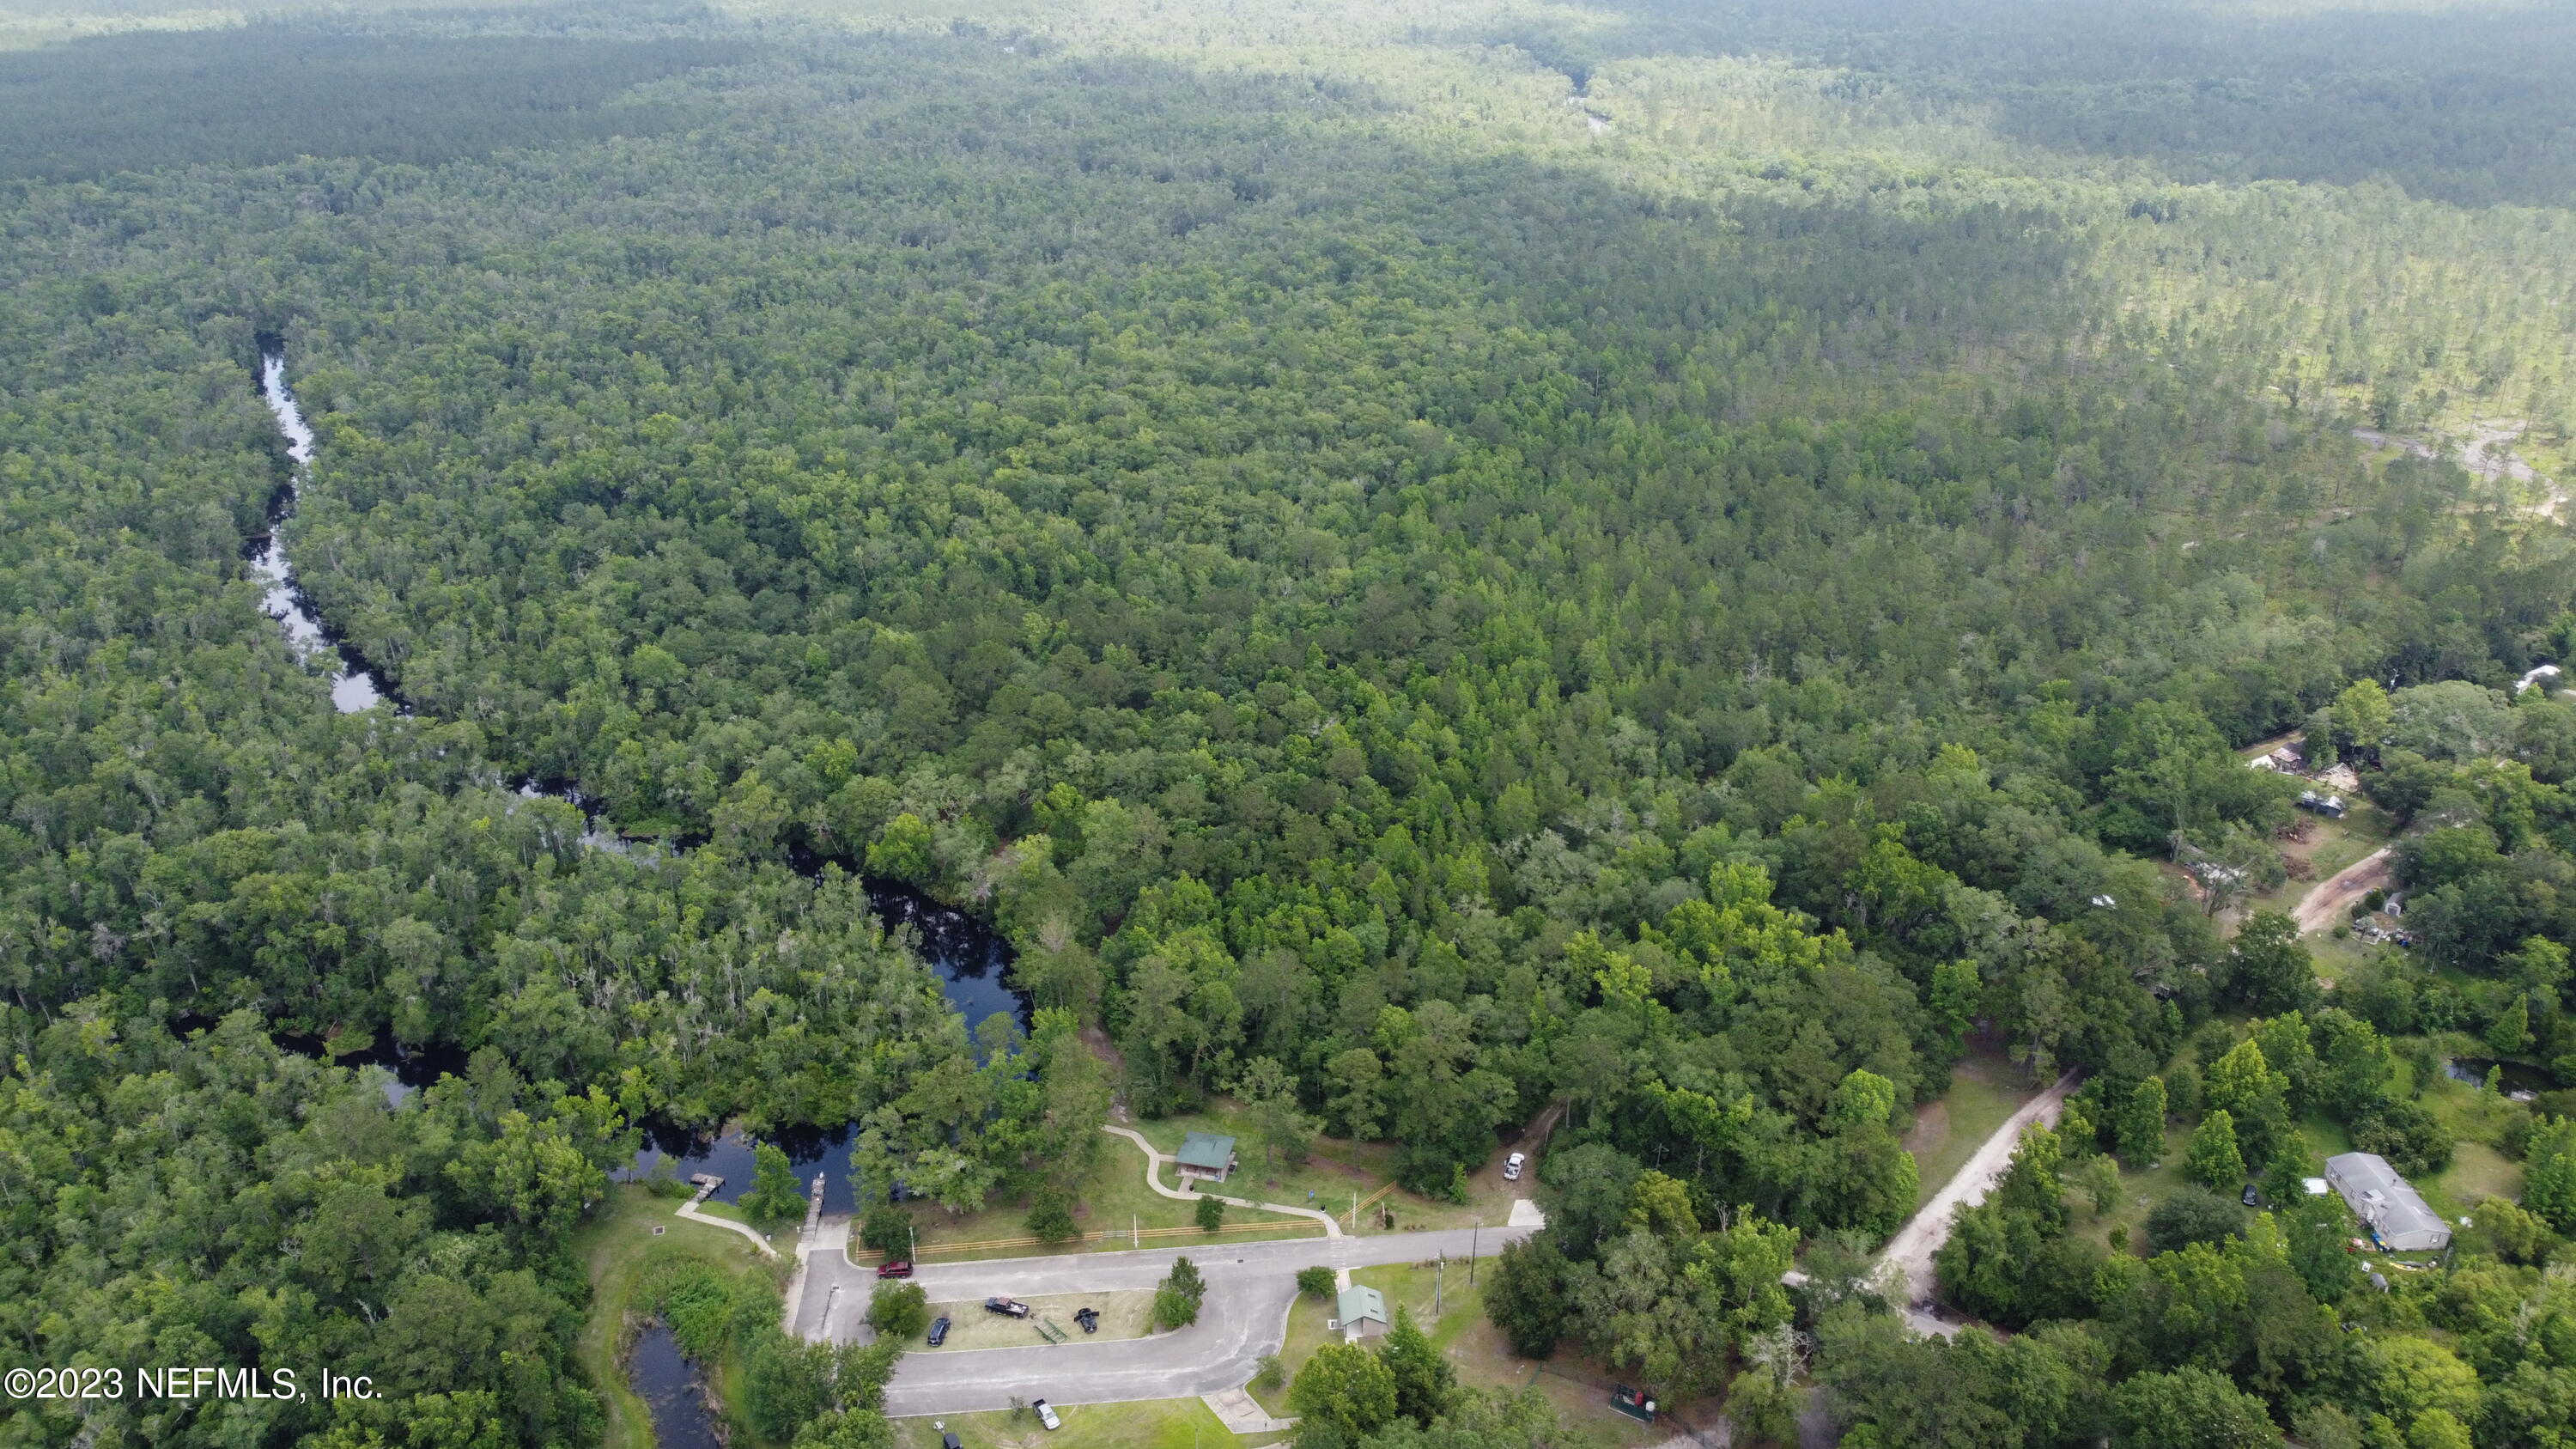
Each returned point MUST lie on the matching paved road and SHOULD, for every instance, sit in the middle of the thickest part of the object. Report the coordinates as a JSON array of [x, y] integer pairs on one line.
[[1250, 1286]]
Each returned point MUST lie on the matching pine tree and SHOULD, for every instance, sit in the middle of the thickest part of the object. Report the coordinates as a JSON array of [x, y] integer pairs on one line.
[[1424, 1381]]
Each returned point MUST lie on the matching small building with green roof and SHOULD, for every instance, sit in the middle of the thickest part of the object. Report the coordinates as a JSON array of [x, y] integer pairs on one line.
[[1360, 1313], [1206, 1156]]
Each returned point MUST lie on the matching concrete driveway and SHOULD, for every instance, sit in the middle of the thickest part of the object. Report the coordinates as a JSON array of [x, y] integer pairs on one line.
[[1250, 1286]]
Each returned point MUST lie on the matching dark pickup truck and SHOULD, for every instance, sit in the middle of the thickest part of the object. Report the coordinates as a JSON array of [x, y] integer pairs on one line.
[[1010, 1307]]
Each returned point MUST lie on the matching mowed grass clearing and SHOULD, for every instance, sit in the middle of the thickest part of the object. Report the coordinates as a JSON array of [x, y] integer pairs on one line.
[[1110, 1197], [1337, 1172], [1984, 1090]]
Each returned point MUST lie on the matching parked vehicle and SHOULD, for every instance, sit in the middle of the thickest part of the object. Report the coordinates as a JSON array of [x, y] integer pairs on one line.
[[2251, 1197], [899, 1268], [1046, 1415], [1008, 1307], [1512, 1167], [939, 1330], [949, 1441], [1089, 1318]]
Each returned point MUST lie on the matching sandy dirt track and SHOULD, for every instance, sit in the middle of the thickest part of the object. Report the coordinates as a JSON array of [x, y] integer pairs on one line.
[[1909, 1254], [2332, 898]]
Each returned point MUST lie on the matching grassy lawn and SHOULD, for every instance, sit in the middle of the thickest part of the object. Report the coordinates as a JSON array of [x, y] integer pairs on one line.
[[1151, 1424], [616, 1249], [2140, 1191], [1112, 1197], [2336, 959], [1984, 1090], [1336, 1170], [1306, 1319], [1122, 1315], [2477, 1171]]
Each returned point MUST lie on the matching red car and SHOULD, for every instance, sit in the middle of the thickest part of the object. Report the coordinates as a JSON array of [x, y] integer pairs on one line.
[[899, 1268]]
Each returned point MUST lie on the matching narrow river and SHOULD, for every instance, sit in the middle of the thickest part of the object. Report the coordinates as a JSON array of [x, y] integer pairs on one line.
[[352, 687], [668, 1383], [971, 959]]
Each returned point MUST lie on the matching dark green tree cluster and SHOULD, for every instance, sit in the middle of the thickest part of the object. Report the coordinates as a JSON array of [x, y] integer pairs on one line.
[[219, 1198], [1642, 1275]]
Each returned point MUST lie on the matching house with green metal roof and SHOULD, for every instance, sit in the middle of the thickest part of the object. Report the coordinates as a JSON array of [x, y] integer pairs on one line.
[[1206, 1155], [1359, 1313]]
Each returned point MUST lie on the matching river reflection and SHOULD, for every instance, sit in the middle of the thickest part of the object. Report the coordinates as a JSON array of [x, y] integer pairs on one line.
[[353, 688]]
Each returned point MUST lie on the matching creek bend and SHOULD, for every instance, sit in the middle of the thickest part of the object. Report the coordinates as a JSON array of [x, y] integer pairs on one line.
[[970, 958]]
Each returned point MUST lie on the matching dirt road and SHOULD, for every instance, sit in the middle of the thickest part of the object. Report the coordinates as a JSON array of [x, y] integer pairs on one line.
[[2331, 899], [1909, 1253]]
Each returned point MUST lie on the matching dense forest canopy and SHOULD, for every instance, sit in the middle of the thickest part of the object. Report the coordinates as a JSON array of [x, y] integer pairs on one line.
[[1424, 563]]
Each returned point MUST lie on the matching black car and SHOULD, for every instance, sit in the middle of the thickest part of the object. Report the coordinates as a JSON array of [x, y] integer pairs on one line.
[[938, 1331], [1009, 1307], [949, 1441], [1089, 1318], [2251, 1197]]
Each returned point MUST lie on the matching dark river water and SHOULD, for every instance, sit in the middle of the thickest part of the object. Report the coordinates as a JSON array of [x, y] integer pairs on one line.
[[971, 960], [668, 1383]]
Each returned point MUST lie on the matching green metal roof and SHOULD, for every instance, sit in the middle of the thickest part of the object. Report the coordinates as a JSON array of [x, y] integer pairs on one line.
[[1355, 1304], [1207, 1151]]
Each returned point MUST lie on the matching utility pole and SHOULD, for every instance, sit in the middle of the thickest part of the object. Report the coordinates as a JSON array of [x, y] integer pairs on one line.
[[1439, 1272], [1355, 1209], [914, 1230]]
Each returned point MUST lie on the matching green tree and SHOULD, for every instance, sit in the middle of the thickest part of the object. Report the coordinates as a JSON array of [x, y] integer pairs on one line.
[[775, 1196], [886, 1229], [2256, 1098], [2510, 1032], [1284, 1131], [2190, 1408], [1316, 1282], [2360, 719], [902, 850], [899, 1310], [2214, 1160], [2140, 1124], [1178, 1296], [2098, 1178], [1209, 1214], [1424, 1381], [1526, 1297], [2192, 1215], [2316, 1227], [1347, 1388], [2269, 968], [1051, 1216]]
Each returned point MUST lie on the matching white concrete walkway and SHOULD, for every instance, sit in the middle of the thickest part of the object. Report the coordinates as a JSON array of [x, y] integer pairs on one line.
[[690, 1211], [1154, 1179], [1243, 1414]]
